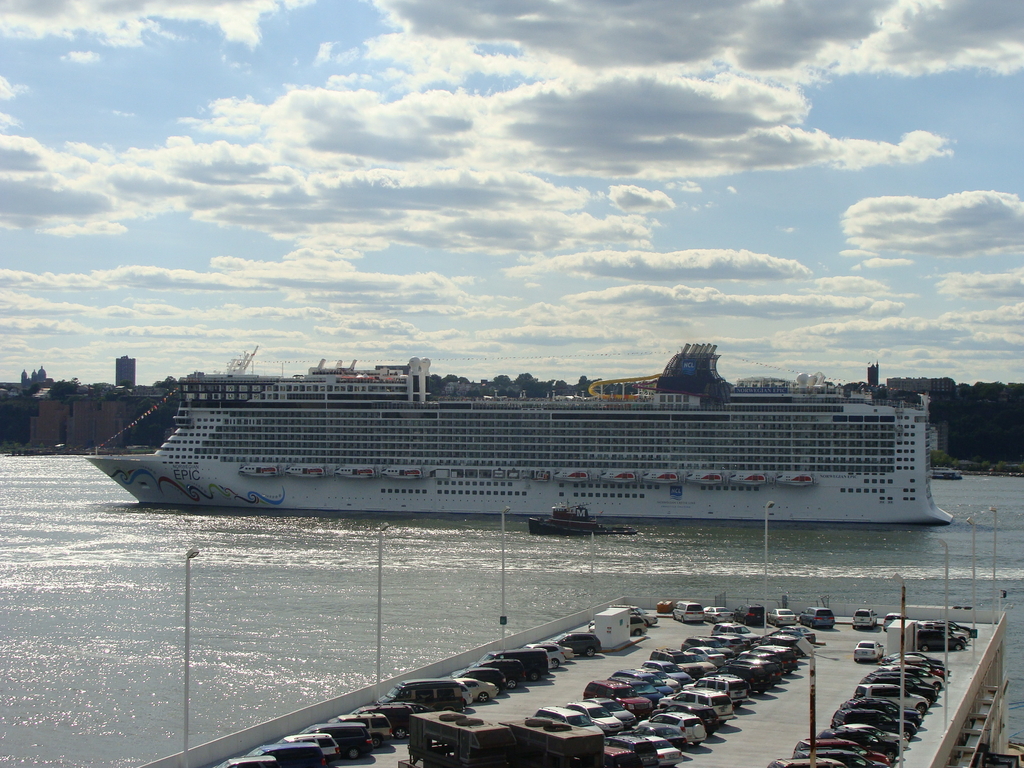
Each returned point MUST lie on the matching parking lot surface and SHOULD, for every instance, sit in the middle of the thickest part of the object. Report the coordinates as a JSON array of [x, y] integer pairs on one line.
[[766, 728]]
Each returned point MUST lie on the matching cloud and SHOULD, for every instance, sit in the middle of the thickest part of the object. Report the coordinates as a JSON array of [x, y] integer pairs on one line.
[[960, 225], [852, 285], [712, 301], [981, 286], [325, 55], [706, 264], [633, 199], [879, 263], [126, 23], [81, 57]]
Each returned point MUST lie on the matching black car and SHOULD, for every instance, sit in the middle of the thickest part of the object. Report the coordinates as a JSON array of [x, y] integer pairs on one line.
[[638, 744], [534, 660], [397, 714], [923, 690], [934, 639], [910, 714], [581, 643], [770, 667], [751, 615], [486, 674], [513, 669], [869, 738], [755, 676], [877, 718], [353, 739]]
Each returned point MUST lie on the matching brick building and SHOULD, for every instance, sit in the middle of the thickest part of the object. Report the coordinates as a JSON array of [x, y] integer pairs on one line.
[[85, 424]]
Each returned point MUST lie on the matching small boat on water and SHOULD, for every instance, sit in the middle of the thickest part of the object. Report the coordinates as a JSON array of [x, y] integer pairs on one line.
[[574, 520], [945, 473]]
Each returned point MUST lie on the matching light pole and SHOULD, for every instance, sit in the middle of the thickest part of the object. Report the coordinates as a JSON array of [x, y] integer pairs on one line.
[[945, 653], [380, 600], [767, 506], [593, 592], [503, 619], [192, 552], [974, 581], [996, 602], [903, 656]]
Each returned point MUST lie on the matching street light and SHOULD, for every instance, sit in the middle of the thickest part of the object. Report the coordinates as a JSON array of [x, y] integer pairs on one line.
[[945, 653], [903, 656], [191, 553], [503, 619], [974, 581], [996, 602], [767, 506], [380, 599]]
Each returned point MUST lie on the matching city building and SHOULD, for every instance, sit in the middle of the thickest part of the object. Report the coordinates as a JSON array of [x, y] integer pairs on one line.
[[80, 424], [943, 388], [124, 374], [873, 375]]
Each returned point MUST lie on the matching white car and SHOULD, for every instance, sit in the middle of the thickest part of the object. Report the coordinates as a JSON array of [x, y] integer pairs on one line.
[[869, 650], [667, 754], [601, 717], [716, 614], [481, 690], [731, 628], [556, 653], [782, 617], [571, 716], [707, 654], [889, 619], [325, 741], [865, 618], [691, 725], [688, 611]]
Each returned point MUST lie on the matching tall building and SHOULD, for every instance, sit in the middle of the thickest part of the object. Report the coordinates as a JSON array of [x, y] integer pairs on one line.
[[125, 371], [873, 375]]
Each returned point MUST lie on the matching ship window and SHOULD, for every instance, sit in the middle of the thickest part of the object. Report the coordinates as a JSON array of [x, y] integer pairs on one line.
[[641, 495]]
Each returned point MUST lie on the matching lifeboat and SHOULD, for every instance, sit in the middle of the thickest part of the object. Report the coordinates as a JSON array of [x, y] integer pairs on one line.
[[301, 470], [750, 478], [259, 470], [498, 474], [708, 477], [403, 473], [573, 475], [541, 474], [624, 476], [795, 478], [664, 477], [361, 473]]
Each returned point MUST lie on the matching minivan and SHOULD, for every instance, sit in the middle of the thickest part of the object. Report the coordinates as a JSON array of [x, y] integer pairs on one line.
[[397, 713], [434, 694], [817, 618], [378, 725], [535, 660], [353, 739], [688, 611], [751, 615]]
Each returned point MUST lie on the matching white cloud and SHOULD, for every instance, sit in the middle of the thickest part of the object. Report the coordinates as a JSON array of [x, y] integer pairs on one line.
[[633, 199], [879, 263], [706, 264], [81, 57], [126, 23], [852, 285], [982, 286], [959, 225]]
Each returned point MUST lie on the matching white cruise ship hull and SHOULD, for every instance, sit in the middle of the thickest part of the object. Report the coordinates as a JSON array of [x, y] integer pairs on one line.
[[832, 499]]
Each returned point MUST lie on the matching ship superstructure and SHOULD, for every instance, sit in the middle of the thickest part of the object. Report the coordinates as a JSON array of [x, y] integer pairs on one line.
[[691, 446]]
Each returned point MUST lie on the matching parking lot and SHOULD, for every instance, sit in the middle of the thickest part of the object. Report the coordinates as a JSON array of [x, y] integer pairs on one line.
[[767, 727]]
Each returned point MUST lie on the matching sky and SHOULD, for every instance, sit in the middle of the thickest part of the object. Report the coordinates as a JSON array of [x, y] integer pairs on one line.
[[557, 187]]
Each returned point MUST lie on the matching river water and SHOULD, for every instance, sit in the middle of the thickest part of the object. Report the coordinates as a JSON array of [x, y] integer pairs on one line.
[[284, 608]]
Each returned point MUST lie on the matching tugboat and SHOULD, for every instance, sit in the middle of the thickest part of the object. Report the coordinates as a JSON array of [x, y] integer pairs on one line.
[[574, 520]]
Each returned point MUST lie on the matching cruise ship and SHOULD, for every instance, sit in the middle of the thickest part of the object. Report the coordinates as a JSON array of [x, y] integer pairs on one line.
[[689, 446]]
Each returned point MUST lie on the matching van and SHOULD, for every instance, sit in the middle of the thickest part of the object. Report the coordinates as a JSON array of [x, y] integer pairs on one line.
[[433, 694], [817, 618], [512, 669], [757, 678], [292, 755], [688, 611], [353, 739], [732, 685], [397, 713], [865, 618], [720, 702], [378, 725], [535, 660], [751, 615]]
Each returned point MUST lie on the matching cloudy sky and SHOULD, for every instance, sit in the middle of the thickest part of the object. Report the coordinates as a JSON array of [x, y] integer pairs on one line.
[[562, 188]]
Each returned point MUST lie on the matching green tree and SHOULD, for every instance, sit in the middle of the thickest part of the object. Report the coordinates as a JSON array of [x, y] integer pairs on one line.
[[62, 390]]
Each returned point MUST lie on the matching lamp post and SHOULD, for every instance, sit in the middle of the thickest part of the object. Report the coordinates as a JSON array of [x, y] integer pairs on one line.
[[903, 656], [593, 591], [191, 553], [996, 602], [945, 653], [503, 619], [974, 581], [380, 600], [767, 506]]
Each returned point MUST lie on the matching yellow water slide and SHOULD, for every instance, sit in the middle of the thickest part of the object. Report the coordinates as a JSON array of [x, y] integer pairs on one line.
[[597, 388]]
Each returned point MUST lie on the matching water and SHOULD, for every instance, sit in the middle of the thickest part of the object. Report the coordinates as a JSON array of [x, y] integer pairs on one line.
[[284, 608]]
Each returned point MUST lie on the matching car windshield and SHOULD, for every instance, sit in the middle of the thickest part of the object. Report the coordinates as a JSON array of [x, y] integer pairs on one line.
[[580, 720], [598, 711], [613, 706], [670, 667], [643, 688]]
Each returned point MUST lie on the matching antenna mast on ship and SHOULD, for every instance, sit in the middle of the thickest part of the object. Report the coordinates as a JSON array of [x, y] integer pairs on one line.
[[239, 365]]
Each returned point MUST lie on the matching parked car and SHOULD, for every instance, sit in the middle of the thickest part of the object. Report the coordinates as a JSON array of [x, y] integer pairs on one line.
[[716, 644], [803, 749], [890, 618], [599, 714], [720, 702], [571, 717], [645, 749], [711, 656], [800, 762], [669, 714], [781, 617], [781, 654], [534, 660], [353, 739], [732, 628], [646, 690], [919, 674], [875, 717], [512, 669], [480, 690], [688, 723], [622, 692], [673, 734], [261, 761], [617, 757], [868, 736], [397, 715], [328, 746], [688, 611], [716, 614], [435, 694], [800, 631], [673, 671], [491, 675], [668, 754], [910, 714], [818, 618], [868, 650], [757, 676], [846, 757], [733, 686], [557, 654], [650, 677], [377, 724], [865, 618], [751, 615], [581, 643], [936, 639], [292, 755], [616, 709], [649, 619]]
